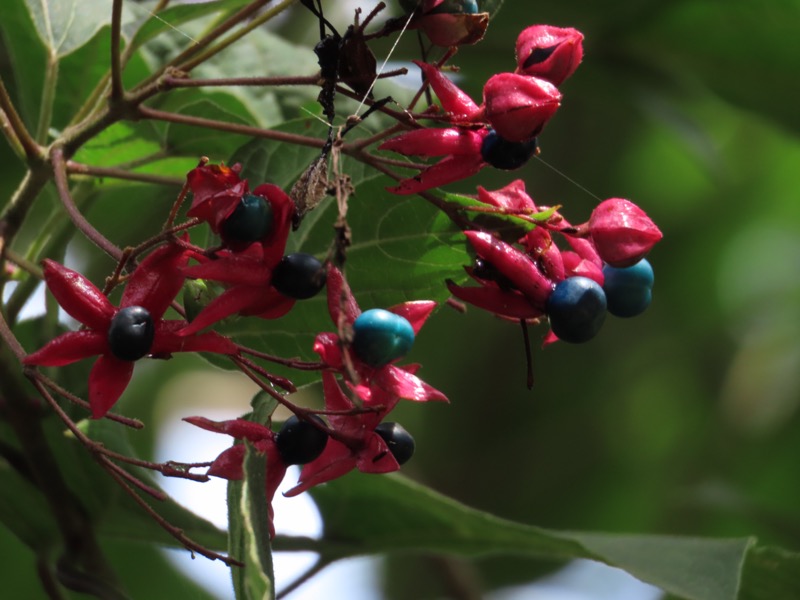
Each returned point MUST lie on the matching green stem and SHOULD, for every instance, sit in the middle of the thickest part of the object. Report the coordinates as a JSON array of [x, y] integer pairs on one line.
[[48, 99]]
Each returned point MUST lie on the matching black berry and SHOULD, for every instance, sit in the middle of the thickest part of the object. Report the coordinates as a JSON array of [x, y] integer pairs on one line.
[[502, 154], [299, 276], [300, 442], [577, 309], [131, 333], [400, 442], [249, 222]]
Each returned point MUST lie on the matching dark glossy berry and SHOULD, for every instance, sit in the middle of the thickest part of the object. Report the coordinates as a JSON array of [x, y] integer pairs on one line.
[[249, 222], [299, 276], [502, 154], [629, 289], [577, 309], [300, 442], [380, 336], [483, 269], [469, 7], [131, 333], [400, 442]]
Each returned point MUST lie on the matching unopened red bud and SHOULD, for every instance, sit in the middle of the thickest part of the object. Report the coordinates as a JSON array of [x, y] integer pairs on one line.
[[518, 106], [552, 53], [622, 232]]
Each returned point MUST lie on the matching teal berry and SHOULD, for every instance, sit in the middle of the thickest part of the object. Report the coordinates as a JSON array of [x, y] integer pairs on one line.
[[469, 7], [380, 336], [577, 309], [250, 221], [629, 290], [400, 442], [505, 155], [299, 442], [131, 333]]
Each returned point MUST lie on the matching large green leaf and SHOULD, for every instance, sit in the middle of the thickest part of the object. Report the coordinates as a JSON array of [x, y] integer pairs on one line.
[[365, 514], [66, 25]]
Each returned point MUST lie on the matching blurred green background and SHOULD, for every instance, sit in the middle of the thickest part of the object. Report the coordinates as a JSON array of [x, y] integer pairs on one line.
[[683, 420]]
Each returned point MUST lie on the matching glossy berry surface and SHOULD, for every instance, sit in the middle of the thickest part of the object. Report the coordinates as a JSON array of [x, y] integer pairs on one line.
[[469, 7], [502, 154], [300, 442], [131, 333], [577, 309], [400, 442], [629, 290], [249, 222], [299, 276], [380, 336]]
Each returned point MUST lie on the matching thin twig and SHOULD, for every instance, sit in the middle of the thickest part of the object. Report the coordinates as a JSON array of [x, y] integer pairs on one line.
[[248, 130], [117, 173], [33, 151], [60, 173], [64, 393], [170, 82], [117, 91]]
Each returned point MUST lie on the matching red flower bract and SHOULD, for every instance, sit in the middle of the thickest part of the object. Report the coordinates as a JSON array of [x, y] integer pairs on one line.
[[622, 232], [228, 465], [552, 53], [400, 382], [152, 286], [216, 191]]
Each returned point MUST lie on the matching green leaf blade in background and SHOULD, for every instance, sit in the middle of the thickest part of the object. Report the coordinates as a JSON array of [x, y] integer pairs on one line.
[[147, 26], [66, 25], [415, 518]]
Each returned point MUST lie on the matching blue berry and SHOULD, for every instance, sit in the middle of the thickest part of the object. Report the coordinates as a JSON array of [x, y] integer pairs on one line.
[[502, 154], [131, 333], [577, 309], [300, 276], [400, 442], [249, 222], [380, 336], [300, 442], [628, 289]]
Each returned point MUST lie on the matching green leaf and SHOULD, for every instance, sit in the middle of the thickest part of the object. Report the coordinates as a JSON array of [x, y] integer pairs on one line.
[[26, 58], [415, 518], [249, 530], [66, 25], [148, 26]]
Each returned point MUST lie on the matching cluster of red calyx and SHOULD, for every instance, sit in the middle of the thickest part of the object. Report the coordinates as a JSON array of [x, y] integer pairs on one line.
[[518, 281], [502, 131], [601, 267], [258, 280]]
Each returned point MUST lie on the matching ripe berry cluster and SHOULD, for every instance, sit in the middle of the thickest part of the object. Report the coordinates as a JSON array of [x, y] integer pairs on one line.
[[598, 267]]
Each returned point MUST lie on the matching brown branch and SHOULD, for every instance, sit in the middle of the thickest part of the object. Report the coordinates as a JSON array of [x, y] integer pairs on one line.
[[75, 168], [33, 152], [117, 90], [60, 172], [169, 82], [248, 130]]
